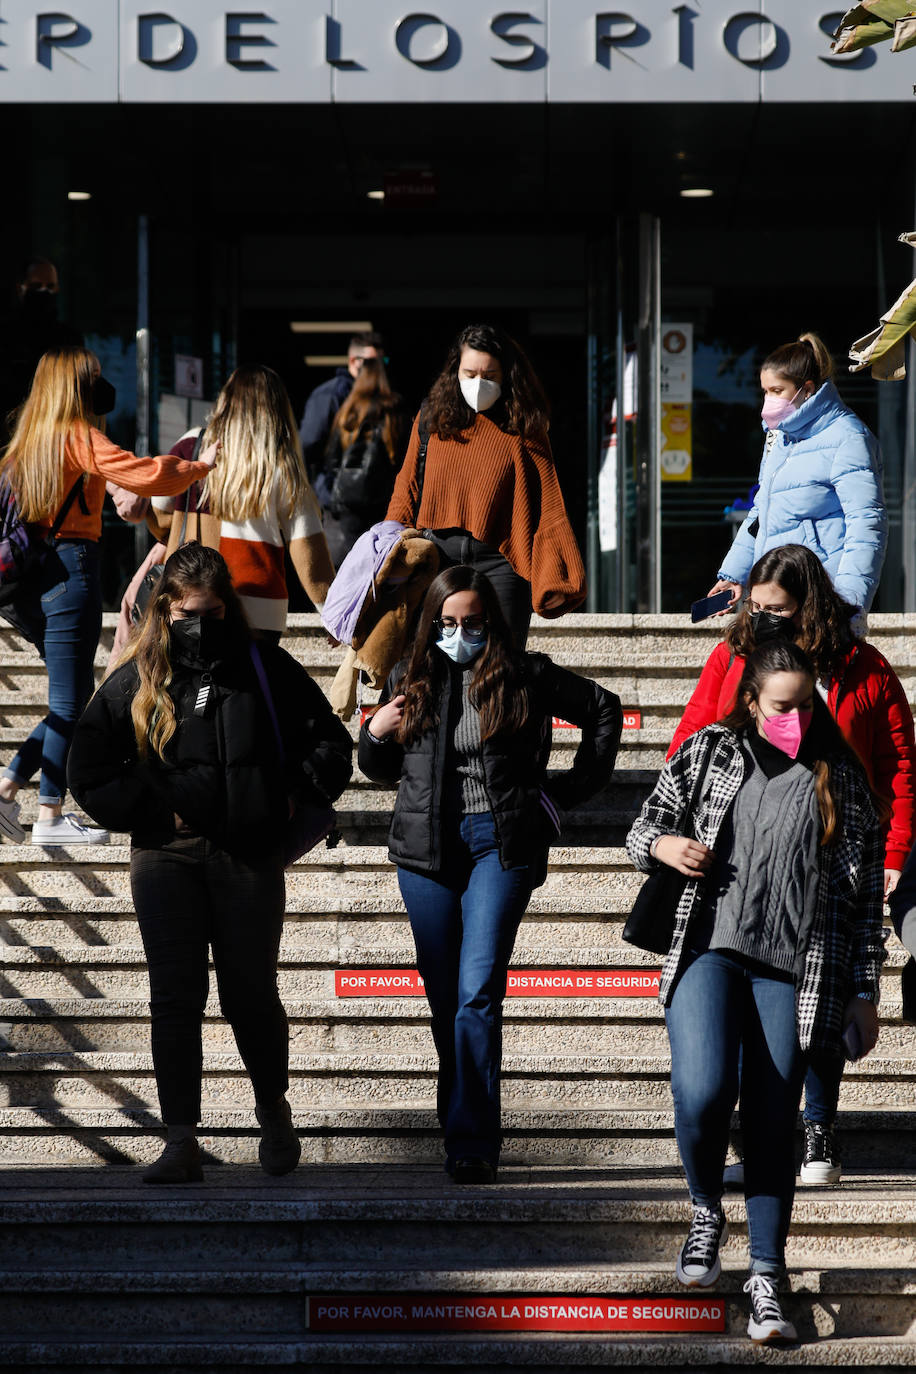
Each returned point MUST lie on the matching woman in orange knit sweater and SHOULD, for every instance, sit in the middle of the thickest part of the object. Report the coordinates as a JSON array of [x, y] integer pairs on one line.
[[490, 496], [57, 448]]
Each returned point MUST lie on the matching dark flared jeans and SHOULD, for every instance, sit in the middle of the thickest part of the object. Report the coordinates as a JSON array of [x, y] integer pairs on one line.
[[464, 921], [190, 897]]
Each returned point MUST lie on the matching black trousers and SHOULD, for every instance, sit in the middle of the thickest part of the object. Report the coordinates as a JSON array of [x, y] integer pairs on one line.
[[189, 896], [512, 592]]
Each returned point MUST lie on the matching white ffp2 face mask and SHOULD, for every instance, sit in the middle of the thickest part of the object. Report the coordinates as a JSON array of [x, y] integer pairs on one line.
[[479, 392]]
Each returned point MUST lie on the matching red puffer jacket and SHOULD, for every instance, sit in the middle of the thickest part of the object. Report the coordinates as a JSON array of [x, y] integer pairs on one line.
[[869, 705]]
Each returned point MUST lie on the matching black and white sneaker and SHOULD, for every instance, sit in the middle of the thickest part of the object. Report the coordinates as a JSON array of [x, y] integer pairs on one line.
[[767, 1325], [698, 1263], [821, 1163]]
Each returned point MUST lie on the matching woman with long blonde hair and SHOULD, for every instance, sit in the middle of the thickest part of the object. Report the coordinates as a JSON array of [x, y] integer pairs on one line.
[[59, 453], [364, 451], [259, 500], [198, 744]]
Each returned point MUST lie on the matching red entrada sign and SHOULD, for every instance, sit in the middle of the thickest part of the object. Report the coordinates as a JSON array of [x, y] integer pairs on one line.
[[538, 982], [388, 1312]]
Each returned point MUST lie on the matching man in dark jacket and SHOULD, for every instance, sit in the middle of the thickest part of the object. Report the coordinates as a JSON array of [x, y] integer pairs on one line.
[[325, 401], [29, 328]]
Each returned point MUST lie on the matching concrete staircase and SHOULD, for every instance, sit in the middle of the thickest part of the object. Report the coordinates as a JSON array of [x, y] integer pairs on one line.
[[101, 1274]]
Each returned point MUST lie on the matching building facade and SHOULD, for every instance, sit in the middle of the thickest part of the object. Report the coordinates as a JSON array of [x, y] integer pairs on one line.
[[256, 183]]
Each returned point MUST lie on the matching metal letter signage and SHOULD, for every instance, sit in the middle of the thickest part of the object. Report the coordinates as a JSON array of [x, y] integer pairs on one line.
[[373, 52], [443, 51], [163, 42], [502, 26], [55, 30], [237, 39]]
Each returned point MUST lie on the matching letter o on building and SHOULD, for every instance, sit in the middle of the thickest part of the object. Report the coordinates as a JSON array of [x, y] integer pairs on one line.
[[773, 41], [442, 51]]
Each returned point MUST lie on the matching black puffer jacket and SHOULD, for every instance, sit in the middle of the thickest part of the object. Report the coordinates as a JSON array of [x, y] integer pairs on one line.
[[222, 773], [515, 768]]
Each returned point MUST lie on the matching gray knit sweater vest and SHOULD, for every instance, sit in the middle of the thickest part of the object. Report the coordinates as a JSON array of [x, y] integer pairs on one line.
[[766, 869]]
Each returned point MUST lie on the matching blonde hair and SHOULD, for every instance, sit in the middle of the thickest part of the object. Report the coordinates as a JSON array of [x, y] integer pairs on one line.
[[254, 425], [193, 567], [58, 402]]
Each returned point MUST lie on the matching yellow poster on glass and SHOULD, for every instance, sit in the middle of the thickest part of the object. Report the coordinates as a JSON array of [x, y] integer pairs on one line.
[[676, 457]]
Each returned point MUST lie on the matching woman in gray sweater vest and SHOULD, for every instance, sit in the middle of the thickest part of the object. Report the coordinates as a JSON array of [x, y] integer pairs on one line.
[[777, 947]]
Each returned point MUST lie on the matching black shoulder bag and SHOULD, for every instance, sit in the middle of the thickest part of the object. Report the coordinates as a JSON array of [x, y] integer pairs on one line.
[[650, 924]]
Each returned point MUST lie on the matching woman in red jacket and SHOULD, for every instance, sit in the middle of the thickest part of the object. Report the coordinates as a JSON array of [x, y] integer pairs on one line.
[[790, 594]]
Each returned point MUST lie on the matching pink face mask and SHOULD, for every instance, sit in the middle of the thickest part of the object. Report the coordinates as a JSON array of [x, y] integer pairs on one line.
[[787, 730], [776, 409]]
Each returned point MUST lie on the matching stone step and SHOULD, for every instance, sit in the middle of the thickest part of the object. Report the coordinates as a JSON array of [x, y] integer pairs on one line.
[[356, 1233], [634, 1082], [389, 1134], [427, 1354], [396, 1026]]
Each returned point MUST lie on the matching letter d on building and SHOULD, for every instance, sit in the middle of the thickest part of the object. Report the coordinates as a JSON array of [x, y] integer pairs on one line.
[[164, 42]]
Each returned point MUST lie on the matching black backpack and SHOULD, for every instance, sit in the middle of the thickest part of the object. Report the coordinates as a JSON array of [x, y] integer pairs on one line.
[[365, 477]]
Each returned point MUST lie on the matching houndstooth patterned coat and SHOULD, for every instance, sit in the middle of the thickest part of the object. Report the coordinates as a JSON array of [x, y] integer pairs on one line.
[[841, 950]]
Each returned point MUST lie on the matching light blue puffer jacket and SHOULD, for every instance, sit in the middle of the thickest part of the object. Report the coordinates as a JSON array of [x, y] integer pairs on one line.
[[820, 485]]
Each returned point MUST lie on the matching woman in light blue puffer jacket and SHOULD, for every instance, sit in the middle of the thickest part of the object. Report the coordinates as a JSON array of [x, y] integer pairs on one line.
[[820, 479]]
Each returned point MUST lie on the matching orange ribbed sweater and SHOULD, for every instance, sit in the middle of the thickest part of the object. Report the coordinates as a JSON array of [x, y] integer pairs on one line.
[[103, 461], [504, 491]]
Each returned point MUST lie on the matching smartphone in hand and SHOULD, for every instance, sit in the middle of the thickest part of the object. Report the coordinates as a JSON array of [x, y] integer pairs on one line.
[[708, 605], [852, 1042]]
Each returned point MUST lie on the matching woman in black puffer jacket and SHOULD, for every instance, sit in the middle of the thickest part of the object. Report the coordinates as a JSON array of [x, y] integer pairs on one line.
[[465, 726], [178, 746]]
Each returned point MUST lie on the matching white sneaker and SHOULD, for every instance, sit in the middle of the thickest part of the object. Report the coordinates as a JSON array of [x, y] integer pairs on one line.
[[9, 821], [767, 1324], [67, 830], [698, 1264]]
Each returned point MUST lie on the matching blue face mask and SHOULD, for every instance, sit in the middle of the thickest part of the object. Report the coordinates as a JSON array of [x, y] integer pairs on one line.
[[459, 647]]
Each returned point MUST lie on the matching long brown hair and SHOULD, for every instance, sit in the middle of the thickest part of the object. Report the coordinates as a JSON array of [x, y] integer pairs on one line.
[[59, 402], [806, 359], [497, 690], [190, 568], [822, 745], [521, 409], [825, 633], [254, 424], [371, 404]]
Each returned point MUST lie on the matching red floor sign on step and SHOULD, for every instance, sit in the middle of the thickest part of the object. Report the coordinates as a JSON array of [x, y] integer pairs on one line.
[[394, 1312], [521, 982]]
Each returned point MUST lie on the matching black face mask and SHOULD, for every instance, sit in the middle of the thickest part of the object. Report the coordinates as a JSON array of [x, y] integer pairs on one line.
[[39, 306], [102, 397], [202, 638], [766, 625]]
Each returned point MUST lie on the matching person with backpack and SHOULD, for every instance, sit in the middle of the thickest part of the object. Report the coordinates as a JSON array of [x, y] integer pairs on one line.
[[464, 728], [258, 503], [791, 597], [203, 744], [479, 479], [777, 946], [365, 449], [56, 467]]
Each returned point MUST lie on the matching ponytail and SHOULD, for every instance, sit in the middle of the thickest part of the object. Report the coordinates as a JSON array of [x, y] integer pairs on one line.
[[805, 360]]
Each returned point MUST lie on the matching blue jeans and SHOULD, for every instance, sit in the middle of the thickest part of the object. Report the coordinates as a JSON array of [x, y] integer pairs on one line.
[[72, 610], [732, 1028], [822, 1086], [464, 920]]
